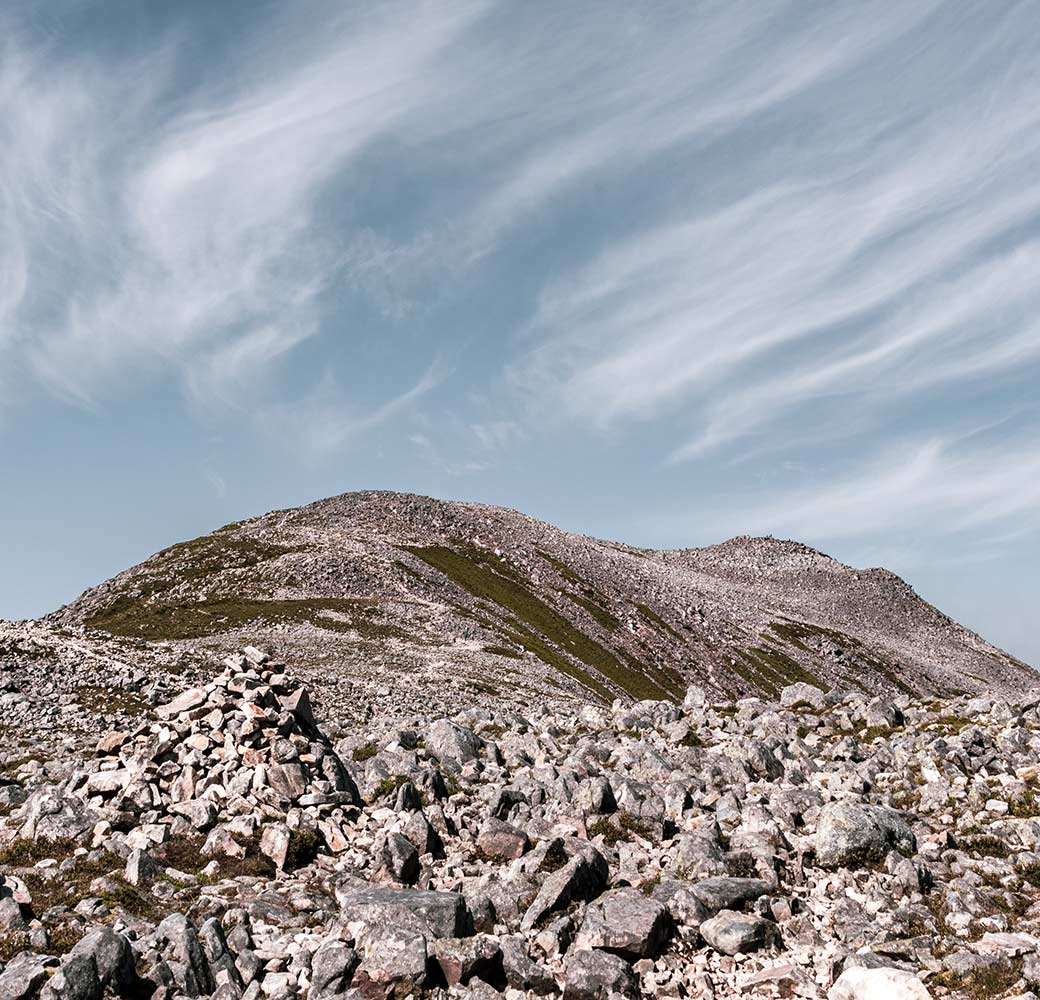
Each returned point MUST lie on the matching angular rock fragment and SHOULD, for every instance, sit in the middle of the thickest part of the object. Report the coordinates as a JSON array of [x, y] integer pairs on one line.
[[731, 932], [598, 975], [626, 922]]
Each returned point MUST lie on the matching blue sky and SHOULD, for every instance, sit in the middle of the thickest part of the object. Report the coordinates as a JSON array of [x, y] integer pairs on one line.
[[660, 272]]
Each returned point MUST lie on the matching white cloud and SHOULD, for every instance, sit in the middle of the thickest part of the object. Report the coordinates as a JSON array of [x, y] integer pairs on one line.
[[876, 257], [907, 487], [326, 420], [151, 223]]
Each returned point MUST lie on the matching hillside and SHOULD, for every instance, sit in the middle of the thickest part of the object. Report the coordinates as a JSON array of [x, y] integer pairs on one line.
[[407, 601]]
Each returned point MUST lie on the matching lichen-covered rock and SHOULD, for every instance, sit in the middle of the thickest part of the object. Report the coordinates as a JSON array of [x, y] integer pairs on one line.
[[857, 833]]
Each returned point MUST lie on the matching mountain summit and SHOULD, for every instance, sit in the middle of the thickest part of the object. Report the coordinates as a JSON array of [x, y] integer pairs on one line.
[[410, 600]]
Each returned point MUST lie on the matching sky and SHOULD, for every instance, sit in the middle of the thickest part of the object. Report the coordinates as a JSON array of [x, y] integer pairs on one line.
[[658, 272]]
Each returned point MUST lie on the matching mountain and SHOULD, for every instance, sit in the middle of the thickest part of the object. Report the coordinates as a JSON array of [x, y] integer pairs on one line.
[[414, 602]]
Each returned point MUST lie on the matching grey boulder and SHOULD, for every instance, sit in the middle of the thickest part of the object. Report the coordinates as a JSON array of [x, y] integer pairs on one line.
[[626, 922], [732, 933], [852, 834]]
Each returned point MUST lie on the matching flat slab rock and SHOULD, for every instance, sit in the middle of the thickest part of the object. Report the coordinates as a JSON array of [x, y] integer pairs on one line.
[[433, 914], [729, 893], [626, 922]]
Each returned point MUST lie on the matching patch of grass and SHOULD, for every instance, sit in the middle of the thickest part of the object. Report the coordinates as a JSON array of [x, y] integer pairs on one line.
[[304, 846], [185, 855], [804, 636], [24, 853], [389, 786], [193, 620], [1025, 806], [951, 723], [623, 827], [691, 739], [540, 627], [784, 669], [655, 619], [984, 983], [555, 858], [107, 701], [874, 732], [647, 887], [1030, 874], [196, 560], [589, 598], [742, 865], [135, 901], [599, 614], [66, 887], [503, 651], [569, 574], [986, 846], [9, 768], [364, 752]]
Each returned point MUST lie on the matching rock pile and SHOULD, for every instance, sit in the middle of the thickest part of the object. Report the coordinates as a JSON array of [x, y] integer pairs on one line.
[[826, 845], [224, 760]]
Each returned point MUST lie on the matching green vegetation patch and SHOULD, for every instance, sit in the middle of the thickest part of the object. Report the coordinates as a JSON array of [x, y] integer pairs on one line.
[[538, 627], [769, 670], [145, 608], [655, 619], [982, 983], [389, 786], [589, 598], [364, 752], [193, 620], [600, 615], [801, 635], [106, 701], [624, 827], [986, 846]]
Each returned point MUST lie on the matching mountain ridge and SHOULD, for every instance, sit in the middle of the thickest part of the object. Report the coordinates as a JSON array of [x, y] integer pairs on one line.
[[470, 597]]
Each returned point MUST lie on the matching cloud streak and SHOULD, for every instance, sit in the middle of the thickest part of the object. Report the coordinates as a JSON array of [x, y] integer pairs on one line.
[[155, 225]]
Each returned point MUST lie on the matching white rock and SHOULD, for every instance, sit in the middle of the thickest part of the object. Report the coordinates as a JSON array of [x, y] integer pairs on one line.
[[878, 984]]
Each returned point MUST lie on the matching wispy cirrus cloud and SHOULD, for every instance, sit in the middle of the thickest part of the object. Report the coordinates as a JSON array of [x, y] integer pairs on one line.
[[150, 221], [882, 254], [967, 486]]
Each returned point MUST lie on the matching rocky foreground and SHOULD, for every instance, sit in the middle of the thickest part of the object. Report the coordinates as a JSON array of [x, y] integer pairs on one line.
[[221, 841]]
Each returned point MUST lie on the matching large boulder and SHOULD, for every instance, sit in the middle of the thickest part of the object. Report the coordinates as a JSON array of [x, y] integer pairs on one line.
[[433, 914], [77, 979], [626, 922], [113, 958], [49, 814], [729, 893], [332, 968], [853, 834], [597, 975], [452, 745], [181, 948], [583, 877], [802, 694]]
